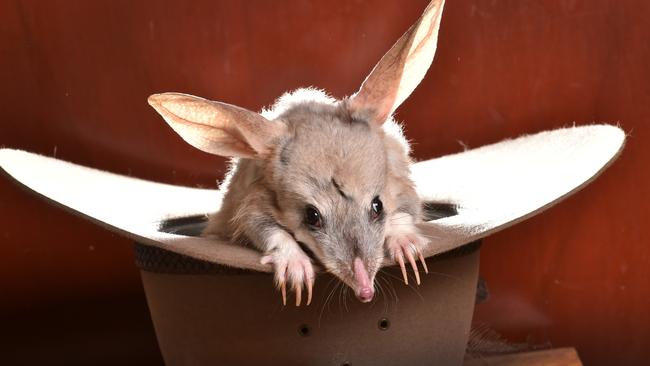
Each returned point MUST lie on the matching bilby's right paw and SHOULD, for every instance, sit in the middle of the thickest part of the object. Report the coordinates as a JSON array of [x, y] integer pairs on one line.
[[293, 267]]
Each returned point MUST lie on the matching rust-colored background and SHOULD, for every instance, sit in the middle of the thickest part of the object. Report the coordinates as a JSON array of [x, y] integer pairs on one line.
[[74, 80]]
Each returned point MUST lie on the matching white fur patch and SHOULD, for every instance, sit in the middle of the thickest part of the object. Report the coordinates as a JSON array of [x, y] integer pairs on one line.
[[395, 130], [280, 240], [302, 96], [400, 223]]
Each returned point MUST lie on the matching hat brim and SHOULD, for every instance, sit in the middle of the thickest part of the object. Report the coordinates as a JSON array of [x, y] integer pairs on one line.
[[492, 187]]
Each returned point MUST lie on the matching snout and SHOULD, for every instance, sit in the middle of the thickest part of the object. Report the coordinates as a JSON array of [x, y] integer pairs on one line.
[[364, 288], [365, 294]]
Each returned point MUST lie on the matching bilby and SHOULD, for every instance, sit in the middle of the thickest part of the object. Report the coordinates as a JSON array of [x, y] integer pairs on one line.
[[315, 174]]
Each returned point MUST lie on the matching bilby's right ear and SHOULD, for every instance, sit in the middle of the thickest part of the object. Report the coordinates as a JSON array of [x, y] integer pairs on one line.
[[218, 128]]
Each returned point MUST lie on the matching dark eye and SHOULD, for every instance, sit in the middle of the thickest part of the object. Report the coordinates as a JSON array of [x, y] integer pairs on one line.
[[376, 208], [312, 217]]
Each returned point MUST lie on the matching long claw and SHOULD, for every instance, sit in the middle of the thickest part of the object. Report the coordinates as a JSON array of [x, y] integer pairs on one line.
[[414, 264], [309, 280], [310, 285], [283, 288], [424, 263], [400, 260], [298, 288]]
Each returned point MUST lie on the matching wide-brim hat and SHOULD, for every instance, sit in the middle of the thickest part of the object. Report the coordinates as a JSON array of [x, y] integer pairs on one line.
[[491, 188], [199, 308]]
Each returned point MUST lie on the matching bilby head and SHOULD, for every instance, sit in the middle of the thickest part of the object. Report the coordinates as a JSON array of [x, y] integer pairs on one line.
[[330, 177]]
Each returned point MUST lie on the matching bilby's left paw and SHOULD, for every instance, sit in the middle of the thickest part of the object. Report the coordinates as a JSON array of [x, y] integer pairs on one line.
[[409, 246]]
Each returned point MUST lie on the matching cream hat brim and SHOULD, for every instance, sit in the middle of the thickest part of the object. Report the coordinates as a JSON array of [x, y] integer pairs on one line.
[[492, 187]]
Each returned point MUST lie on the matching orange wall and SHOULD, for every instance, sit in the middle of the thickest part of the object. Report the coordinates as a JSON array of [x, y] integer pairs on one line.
[[76, 74]]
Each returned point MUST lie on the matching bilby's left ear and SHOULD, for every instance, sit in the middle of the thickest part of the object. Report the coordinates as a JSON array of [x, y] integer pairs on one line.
[[400, 70]]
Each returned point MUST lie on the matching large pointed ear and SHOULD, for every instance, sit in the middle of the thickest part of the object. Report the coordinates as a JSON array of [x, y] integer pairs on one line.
[[218, 128], [400, 70]]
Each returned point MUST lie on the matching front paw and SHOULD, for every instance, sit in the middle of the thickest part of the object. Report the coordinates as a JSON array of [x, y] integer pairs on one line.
[[407, 245], [291, 266]]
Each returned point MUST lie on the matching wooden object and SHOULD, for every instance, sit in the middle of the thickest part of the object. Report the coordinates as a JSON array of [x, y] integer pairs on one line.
[[551, 357]]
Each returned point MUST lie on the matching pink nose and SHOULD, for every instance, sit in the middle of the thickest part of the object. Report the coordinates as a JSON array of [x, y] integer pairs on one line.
[[365, 290], [366, 294]]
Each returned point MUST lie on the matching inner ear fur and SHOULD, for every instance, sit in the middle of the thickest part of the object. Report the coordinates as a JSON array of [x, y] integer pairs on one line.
[[218, 128]]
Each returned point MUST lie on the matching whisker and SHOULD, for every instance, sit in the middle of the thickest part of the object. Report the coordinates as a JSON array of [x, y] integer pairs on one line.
[[399, 215], [441, 274], [385, 294], [389, 283], [413, 288], [327, 299], [341, 298], [378, 290]]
